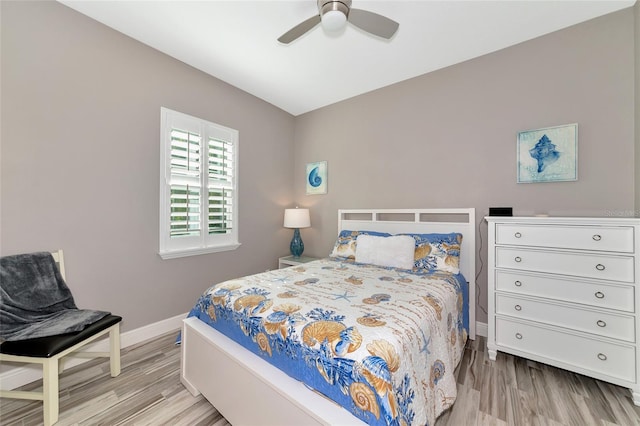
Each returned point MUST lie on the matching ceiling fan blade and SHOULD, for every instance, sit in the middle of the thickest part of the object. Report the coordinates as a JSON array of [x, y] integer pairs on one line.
[[373, 23], [299, 30]]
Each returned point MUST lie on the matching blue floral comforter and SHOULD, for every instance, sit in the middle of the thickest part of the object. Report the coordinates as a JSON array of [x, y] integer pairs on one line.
[[383, 343]]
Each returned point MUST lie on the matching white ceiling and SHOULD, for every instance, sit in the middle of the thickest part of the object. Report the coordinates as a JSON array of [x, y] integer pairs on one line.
[[235, 41]]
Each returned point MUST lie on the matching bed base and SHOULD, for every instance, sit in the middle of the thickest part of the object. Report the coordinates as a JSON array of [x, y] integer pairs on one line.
[[261, 394]]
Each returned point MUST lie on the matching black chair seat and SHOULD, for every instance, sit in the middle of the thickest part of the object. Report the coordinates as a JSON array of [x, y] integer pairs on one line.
[[46, 347]]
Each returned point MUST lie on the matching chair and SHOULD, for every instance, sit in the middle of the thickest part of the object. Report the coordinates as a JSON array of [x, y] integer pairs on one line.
[[49, 352]]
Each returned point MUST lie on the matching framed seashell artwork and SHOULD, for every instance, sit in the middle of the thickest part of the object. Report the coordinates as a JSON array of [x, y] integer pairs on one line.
[[548, 155], [316, 177]]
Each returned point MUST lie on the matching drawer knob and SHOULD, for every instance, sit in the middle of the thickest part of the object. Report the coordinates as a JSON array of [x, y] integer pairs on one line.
[[517, 235], [599, 294], [601, 323], [600, 267], [597, 237], [518, 283], [519, 259], [518, 308], [518, 336], [602, 357]]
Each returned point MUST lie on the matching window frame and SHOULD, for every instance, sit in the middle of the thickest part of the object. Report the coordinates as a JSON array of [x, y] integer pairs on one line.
[[175, 247]]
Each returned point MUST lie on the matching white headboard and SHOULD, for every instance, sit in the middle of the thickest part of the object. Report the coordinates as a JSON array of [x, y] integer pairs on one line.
[[395, 221]]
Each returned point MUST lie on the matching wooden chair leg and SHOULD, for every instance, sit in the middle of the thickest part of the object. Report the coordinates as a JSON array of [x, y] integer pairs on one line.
[[114, 349], [50, 391], [61, 365]]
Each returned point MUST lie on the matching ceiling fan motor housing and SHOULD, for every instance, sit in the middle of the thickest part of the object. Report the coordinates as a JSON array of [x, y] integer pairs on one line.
[[325, 6]]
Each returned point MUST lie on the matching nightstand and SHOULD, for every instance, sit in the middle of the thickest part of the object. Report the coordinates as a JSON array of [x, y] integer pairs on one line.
[[286, 261]]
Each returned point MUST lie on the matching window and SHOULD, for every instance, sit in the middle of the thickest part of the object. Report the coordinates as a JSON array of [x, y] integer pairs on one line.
[[198, 186]]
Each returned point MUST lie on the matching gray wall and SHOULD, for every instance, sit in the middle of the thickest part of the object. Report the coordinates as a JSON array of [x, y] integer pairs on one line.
[[447, 138], [80, 161], [636, 9]]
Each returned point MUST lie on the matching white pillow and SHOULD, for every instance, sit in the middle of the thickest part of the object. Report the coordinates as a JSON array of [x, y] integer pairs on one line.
[[396, 251]]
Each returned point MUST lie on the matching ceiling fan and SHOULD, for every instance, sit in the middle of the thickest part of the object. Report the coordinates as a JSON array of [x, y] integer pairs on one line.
[[334, 15]]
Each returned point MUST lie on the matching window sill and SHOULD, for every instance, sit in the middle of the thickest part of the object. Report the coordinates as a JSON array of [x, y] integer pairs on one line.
[[197, 251]]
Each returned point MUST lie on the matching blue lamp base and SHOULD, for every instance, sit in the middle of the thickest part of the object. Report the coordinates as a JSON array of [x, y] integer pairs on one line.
[[296, 246]]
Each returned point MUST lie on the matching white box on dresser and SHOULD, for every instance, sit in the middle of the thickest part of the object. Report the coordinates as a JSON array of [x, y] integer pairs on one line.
[[564, 291]]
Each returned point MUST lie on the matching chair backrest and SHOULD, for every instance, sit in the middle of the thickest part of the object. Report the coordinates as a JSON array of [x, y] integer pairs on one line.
[[59, 258]]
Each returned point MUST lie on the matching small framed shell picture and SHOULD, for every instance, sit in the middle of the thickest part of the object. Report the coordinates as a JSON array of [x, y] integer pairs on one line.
[[548, 155], [316, 176]]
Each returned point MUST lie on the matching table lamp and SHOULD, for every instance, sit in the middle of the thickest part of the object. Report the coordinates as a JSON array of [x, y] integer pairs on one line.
[[296, 219]]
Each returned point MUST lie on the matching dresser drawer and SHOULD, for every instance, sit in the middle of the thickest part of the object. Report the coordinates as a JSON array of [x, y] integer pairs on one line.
[[602, 357], [600, 323], [620, 297], [616, 268], [615, 238]]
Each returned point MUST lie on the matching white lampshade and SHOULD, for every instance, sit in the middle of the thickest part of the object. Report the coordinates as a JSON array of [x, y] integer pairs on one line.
[[296, 218], [334, 20]]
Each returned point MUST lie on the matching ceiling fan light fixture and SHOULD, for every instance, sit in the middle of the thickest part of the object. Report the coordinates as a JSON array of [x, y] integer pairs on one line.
[[334, 20]]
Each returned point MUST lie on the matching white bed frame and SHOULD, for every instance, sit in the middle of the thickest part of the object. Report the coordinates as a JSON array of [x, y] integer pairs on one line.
[[247, 390]]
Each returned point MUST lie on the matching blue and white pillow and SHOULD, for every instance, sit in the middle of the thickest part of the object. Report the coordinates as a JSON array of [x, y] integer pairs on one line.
[[437, 252]]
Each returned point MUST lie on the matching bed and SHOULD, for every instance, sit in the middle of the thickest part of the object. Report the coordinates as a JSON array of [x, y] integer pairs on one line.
[[290, 345]]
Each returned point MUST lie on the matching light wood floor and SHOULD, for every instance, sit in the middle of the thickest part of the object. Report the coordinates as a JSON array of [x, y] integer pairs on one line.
[[509, 391]]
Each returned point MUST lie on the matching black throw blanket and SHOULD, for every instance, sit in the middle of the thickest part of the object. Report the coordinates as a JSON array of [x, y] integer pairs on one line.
[[35, 301]]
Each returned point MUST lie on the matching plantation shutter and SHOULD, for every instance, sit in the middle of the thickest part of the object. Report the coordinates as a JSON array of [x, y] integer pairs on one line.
[[220, 186], [185, 184], [198, 192]]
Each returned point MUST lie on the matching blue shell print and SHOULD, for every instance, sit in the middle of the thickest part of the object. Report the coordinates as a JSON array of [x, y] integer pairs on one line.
[[314, 178], [544, 153]]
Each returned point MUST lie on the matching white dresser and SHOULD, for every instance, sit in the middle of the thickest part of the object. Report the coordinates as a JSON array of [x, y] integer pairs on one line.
[[564, 291]]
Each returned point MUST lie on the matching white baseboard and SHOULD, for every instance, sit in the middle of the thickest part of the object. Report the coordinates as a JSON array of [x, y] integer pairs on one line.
[[152, 330], [20, 376], [481, 329]]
